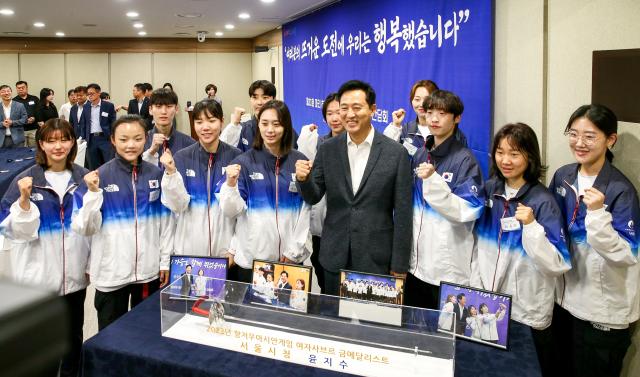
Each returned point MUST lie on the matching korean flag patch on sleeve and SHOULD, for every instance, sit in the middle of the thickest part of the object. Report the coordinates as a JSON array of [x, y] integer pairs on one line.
[[153, 183]]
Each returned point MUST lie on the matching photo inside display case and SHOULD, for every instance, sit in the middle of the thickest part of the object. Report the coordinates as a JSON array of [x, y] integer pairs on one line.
[[192, 273], [280, 284]]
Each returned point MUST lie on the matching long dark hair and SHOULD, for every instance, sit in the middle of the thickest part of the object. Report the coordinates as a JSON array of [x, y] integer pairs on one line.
[[522, 138], [284, 117], [66, 130], [44, 93], [601, 116]]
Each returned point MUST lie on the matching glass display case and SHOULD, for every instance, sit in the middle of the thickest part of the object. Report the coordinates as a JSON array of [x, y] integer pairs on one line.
[[346, 335]]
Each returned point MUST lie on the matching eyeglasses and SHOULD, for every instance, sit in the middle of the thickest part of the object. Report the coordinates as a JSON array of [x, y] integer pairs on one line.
[[588, 140]]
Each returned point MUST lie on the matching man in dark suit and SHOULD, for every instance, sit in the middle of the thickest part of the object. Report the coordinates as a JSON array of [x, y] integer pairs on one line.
[[139, 105], [13, 118], [96, 127], [77, 114], [187, 281], [284, 288], [367, 180], [462, 312]]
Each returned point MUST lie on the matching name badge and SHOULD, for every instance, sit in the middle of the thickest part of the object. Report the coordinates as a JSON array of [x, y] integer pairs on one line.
[[412, 149], [105, 114], [32, 102], [292, 187], [509, 224]]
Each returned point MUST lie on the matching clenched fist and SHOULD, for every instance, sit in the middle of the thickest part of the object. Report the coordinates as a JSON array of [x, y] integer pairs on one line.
[[25, 185], [398, 117], [524, 214], [157, 142], [93, 181], [303, 169], [424, 170], [167, 161], [238, 112], [233, 172]]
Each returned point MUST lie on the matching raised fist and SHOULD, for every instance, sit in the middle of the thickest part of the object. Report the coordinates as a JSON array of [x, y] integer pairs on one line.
[[238, 112], [398, 117], [303, 169], [93, 181], [233, 172], [167, 161], [25, 185]]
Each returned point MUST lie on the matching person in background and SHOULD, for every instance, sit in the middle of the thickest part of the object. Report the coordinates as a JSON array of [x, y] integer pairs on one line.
[[29, 101], [45, 109], [13, 118], [211, 91], [37, 212], [96, 129], [163, 136], [260, 192], [413, 134], [167, 85], [105, 96], [139, 104], [308, 143], [148, 89], [76, 114], [65, 109], [130, 229], [598, 297]]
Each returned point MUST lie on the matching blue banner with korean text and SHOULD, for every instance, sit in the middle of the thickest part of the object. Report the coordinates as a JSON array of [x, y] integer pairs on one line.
[[392, 44]]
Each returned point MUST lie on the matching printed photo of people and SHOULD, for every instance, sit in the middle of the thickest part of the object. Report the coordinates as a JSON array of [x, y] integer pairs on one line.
[[194, 273], [478, 315], [380, 288], [282, 285]]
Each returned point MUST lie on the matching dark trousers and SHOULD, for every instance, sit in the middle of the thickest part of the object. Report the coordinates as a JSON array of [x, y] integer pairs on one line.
[[243, 275], [70, 363], [543, 340], [589, 351], [113, 305], [315, 262], [8, 142], [99, 151], [421, 294], [331, 283]]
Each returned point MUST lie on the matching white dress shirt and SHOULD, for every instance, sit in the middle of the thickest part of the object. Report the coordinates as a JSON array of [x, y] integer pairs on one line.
[[7, 115], [80, 108], [65, 109], [358, 157], [95, 117]]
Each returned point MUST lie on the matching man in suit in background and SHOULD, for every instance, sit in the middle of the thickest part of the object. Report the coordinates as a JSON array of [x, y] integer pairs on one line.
[[77, 114], [29, 102], [13, 118], [139, 105], [462, 312], [368, 185], [96, 128]]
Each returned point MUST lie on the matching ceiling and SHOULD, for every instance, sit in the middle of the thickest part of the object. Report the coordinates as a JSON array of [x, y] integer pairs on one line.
[[107, 18]]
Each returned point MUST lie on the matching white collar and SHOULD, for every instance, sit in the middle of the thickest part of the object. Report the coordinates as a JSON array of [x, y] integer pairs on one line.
[[98, 105], [368, 140]]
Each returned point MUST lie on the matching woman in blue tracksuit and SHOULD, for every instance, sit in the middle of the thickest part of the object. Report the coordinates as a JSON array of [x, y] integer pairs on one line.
[[521, 247], [130, 228], [413, 134], [448, 198], [260, 191], [189, 185], [37, 211], [598, 298]]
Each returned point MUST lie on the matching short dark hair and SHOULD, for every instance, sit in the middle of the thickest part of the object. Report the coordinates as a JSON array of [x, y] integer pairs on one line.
[[358, 85], [20, 82], [460, 296], [163, 96], [140, 86], [188, 266], [284, 117], [206, 90], [267, 87], [208, 109], [129, 118], [66, 130], [427, 84], [70, 91], [284, 272], [5, 86], [330, 98], [104, 95], [444, 100], [148, 87], [601, 116], [522, 138], [167, 84], [94, 86], [80, 88]]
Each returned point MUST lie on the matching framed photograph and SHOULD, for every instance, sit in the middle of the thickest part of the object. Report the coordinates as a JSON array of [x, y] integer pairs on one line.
[[371, 297], [478, 315], [281, 284], [193, 271]]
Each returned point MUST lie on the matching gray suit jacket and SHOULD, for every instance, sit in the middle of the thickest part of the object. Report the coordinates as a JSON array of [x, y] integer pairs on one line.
[[19, 118], [375, 224]]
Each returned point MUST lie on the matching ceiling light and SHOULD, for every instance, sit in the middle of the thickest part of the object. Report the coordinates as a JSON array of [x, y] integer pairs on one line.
[[59, 34], [132, 14], [138, 25], [219, 34], [142, 33], [6, 12], [267, 1], [38, 24], [229, 26], [244, 16], [189, 15]]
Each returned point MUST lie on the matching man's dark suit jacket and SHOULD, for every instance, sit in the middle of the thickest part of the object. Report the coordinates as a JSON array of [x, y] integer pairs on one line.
[[76, 123], [375, 224], [144, 110], [461, 318], [107, 117]]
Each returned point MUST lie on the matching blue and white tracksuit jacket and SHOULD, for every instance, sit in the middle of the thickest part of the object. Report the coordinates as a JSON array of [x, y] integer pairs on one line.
[[524, 262], [45, 251], [192, 195], [603, 284], [411, 138], [131, 229], [176, 142], [271, 222], [445, 208]]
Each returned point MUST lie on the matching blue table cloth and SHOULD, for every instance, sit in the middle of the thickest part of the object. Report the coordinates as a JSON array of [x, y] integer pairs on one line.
[[13, 161], [134, 346]]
